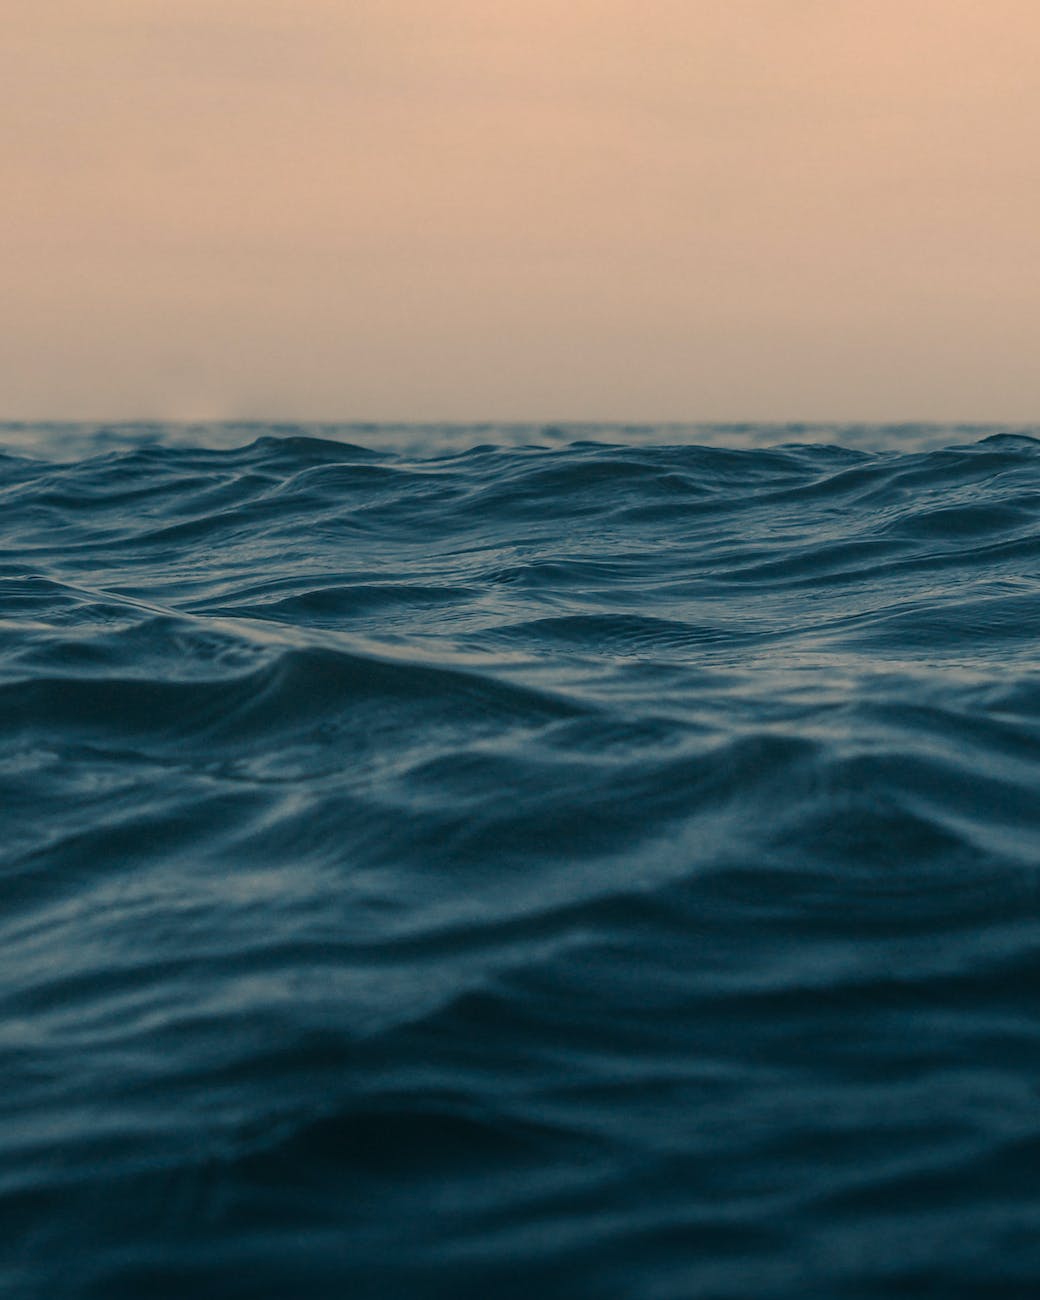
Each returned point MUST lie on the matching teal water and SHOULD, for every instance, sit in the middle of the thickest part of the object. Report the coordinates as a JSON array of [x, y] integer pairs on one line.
[[455, 862]]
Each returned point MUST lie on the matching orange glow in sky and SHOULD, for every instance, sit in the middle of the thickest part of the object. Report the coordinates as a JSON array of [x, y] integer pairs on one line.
[[627, 209]]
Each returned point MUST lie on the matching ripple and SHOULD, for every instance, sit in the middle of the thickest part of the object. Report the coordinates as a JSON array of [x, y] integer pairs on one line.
[[443, 862]]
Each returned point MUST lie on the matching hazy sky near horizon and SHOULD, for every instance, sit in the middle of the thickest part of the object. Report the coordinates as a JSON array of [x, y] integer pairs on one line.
[[526, 209]]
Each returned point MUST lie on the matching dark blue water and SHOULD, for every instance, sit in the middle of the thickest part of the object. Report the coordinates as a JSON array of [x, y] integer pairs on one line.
[[495, 863]]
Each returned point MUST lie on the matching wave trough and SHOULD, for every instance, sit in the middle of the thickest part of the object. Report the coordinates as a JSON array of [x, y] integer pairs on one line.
[[456, 862]]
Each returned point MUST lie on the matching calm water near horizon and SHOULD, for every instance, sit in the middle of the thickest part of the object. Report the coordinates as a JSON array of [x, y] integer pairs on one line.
[[599, 862]]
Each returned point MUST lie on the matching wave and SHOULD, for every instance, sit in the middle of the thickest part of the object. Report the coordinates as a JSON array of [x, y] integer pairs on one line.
[[450, 862]]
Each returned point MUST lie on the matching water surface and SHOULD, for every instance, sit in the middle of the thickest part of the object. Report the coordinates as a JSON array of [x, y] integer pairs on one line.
[[456, 862]]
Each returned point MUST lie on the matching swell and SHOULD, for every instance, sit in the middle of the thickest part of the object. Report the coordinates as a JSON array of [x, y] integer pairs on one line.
[[478, 862]]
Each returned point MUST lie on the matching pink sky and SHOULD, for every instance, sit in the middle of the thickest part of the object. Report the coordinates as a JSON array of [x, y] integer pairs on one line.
[[452, 209]]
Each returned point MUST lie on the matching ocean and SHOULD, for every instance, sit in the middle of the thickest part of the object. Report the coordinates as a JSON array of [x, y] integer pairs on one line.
[[584, 862]]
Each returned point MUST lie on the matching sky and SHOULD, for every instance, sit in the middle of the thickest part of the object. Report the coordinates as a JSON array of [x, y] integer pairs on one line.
[[434, 210]]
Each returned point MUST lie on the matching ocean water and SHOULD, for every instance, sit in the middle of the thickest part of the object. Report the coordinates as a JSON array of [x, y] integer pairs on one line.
[[493, 862]]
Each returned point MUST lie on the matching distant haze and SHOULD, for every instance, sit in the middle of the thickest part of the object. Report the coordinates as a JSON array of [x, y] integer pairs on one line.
[[520, 209]]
